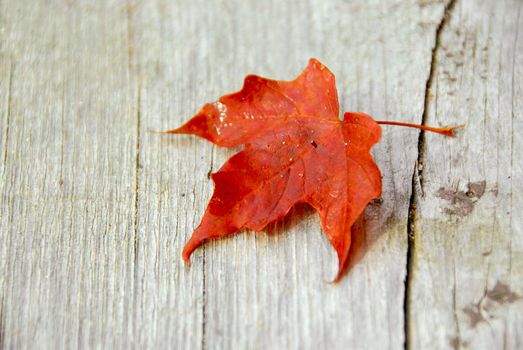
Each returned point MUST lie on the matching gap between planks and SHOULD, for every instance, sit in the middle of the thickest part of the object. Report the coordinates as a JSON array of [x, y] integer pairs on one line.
[[417, 176]]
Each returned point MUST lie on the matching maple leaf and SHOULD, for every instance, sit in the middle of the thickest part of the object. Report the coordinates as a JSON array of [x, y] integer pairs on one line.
[[296, 149]]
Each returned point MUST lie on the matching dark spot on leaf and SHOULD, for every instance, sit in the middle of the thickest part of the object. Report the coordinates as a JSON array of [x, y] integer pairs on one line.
[[314, 144]]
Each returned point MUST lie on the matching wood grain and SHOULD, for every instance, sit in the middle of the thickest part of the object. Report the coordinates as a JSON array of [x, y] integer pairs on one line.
[[68, 180], [95, 209], [468, 251]]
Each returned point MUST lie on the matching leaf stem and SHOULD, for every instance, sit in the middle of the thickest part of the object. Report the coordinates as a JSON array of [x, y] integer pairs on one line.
[[449, 131]]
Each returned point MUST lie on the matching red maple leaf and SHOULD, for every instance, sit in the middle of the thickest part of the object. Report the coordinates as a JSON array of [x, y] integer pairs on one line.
[[296, 149]]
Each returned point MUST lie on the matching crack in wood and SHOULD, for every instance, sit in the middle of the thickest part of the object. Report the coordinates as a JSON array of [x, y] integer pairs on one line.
[[410, 248], [437, 43], [417, 176], [136, 200], [130, 70]]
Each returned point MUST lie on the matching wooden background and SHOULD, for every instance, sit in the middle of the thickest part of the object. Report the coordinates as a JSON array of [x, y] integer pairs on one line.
[[94, 209]]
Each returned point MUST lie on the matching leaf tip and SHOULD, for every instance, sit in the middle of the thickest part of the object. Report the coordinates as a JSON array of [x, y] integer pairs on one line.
[[314, 61], [197, 125], [186, 254], [193, 243]]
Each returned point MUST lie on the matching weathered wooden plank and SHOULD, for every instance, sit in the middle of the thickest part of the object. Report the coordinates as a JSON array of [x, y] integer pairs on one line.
[[68, 186], [169, 295], [467, 278]]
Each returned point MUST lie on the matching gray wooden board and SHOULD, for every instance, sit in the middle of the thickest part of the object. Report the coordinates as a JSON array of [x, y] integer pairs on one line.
[[468, 261], [95, 209]]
